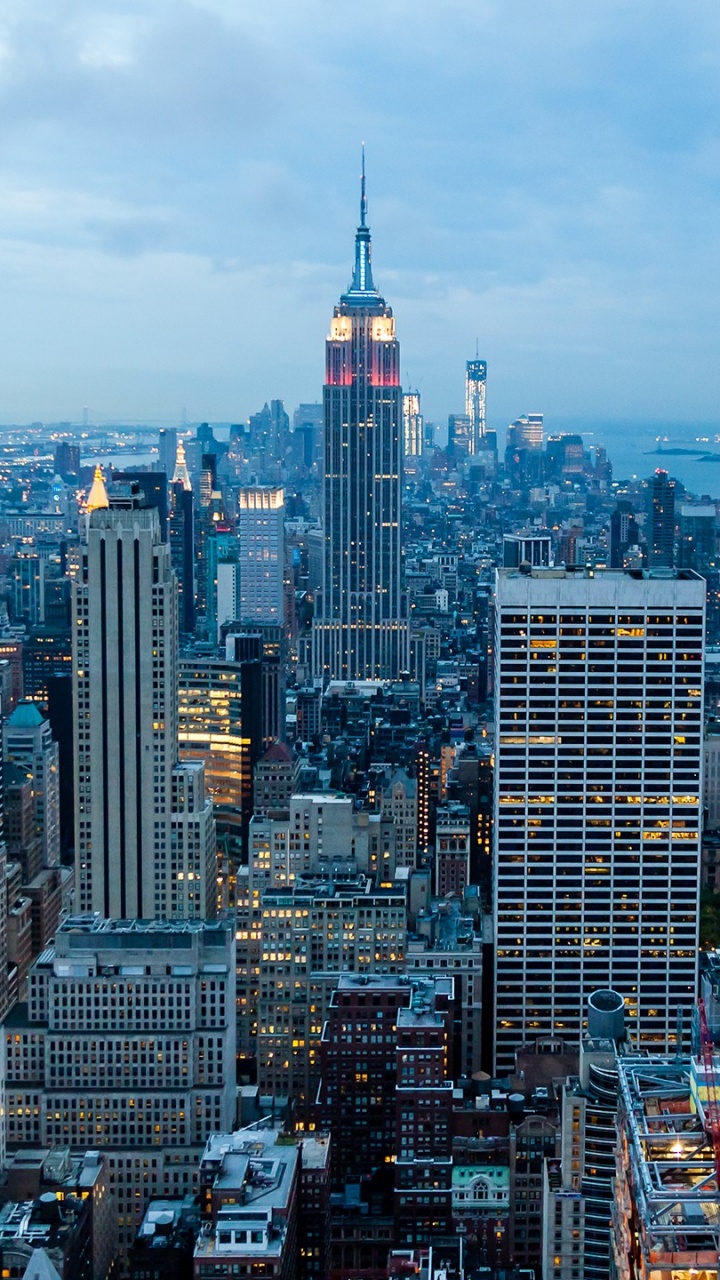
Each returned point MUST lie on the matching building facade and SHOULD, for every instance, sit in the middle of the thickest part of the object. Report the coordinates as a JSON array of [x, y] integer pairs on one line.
[[28, 741], [475, 397], [125, 1044], [361, 629], [261, 534], [413, 439], [130, 859], [597, 799]]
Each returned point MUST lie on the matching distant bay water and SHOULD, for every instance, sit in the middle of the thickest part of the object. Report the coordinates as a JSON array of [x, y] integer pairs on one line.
[[632, 449]]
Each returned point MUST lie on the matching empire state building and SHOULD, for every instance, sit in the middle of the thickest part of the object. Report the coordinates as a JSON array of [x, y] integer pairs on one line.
[[361, 629]]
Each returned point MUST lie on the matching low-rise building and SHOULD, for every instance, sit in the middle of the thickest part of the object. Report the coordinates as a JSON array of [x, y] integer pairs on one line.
[[61, 1204], [249, 1197]]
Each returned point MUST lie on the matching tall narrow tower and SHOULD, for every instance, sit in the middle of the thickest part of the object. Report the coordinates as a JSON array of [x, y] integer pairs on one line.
[[662, 514], [182, 540], [475, 392], [361, 630], [144, 829]]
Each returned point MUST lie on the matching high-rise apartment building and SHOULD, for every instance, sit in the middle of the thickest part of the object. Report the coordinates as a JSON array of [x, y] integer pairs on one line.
[[145, 833], [127, 1043], [361, 631], [223, 577], [599, 694], [261, 535], [275, 778], [475, 397], [320, 929]]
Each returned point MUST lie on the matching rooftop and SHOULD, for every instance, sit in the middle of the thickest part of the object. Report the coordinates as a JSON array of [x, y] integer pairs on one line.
[[671, 1167], [583, 572], [26, 716], [497, 1175], [315, 1152], [278, 753]]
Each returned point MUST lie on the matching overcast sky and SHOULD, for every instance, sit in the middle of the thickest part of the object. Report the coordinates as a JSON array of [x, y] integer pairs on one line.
[[179, 196]]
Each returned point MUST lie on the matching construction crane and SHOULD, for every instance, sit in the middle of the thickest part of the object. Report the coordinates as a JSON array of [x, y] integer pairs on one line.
[[712, 1108]]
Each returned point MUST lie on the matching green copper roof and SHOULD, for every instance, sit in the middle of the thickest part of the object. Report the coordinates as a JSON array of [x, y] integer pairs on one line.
[[25, 716]]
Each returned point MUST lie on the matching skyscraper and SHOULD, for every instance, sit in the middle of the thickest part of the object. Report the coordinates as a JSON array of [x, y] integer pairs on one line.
[[475, 393], [261, 533], [29, 742], [167, 448], [361, 630], [145, 834], [182, 539], [526, 432], [598, 807], [412, 425], [662, 515]]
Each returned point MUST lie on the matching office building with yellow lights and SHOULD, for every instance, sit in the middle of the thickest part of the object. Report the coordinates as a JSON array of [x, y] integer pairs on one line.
[[598, 799]]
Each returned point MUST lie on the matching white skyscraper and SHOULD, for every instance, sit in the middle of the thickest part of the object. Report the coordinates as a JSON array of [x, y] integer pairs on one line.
[[261, 532], [145, 834], [413, 437], [598, 799], [475, 400]]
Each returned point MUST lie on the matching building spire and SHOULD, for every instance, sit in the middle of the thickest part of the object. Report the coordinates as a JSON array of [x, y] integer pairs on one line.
[[362, 281], [180, 474], [97, 497], [363, 198]]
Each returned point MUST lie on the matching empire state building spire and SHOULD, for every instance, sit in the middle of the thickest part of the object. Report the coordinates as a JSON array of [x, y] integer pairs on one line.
[[362, 281], [361, 630]]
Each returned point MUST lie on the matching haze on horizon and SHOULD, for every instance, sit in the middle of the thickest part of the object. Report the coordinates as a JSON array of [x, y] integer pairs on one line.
[[179, 195]]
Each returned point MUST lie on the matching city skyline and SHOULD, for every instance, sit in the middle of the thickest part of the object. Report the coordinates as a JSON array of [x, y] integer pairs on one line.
[[561, 206]]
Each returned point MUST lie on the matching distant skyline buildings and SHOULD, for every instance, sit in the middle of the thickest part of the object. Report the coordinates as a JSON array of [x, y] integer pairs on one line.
[[413, 422], [475, 400]]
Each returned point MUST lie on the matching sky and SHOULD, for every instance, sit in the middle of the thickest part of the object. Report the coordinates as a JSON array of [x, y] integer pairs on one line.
[[179, 196]]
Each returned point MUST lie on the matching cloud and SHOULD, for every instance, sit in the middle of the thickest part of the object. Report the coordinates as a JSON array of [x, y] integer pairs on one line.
[[542, 177]]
